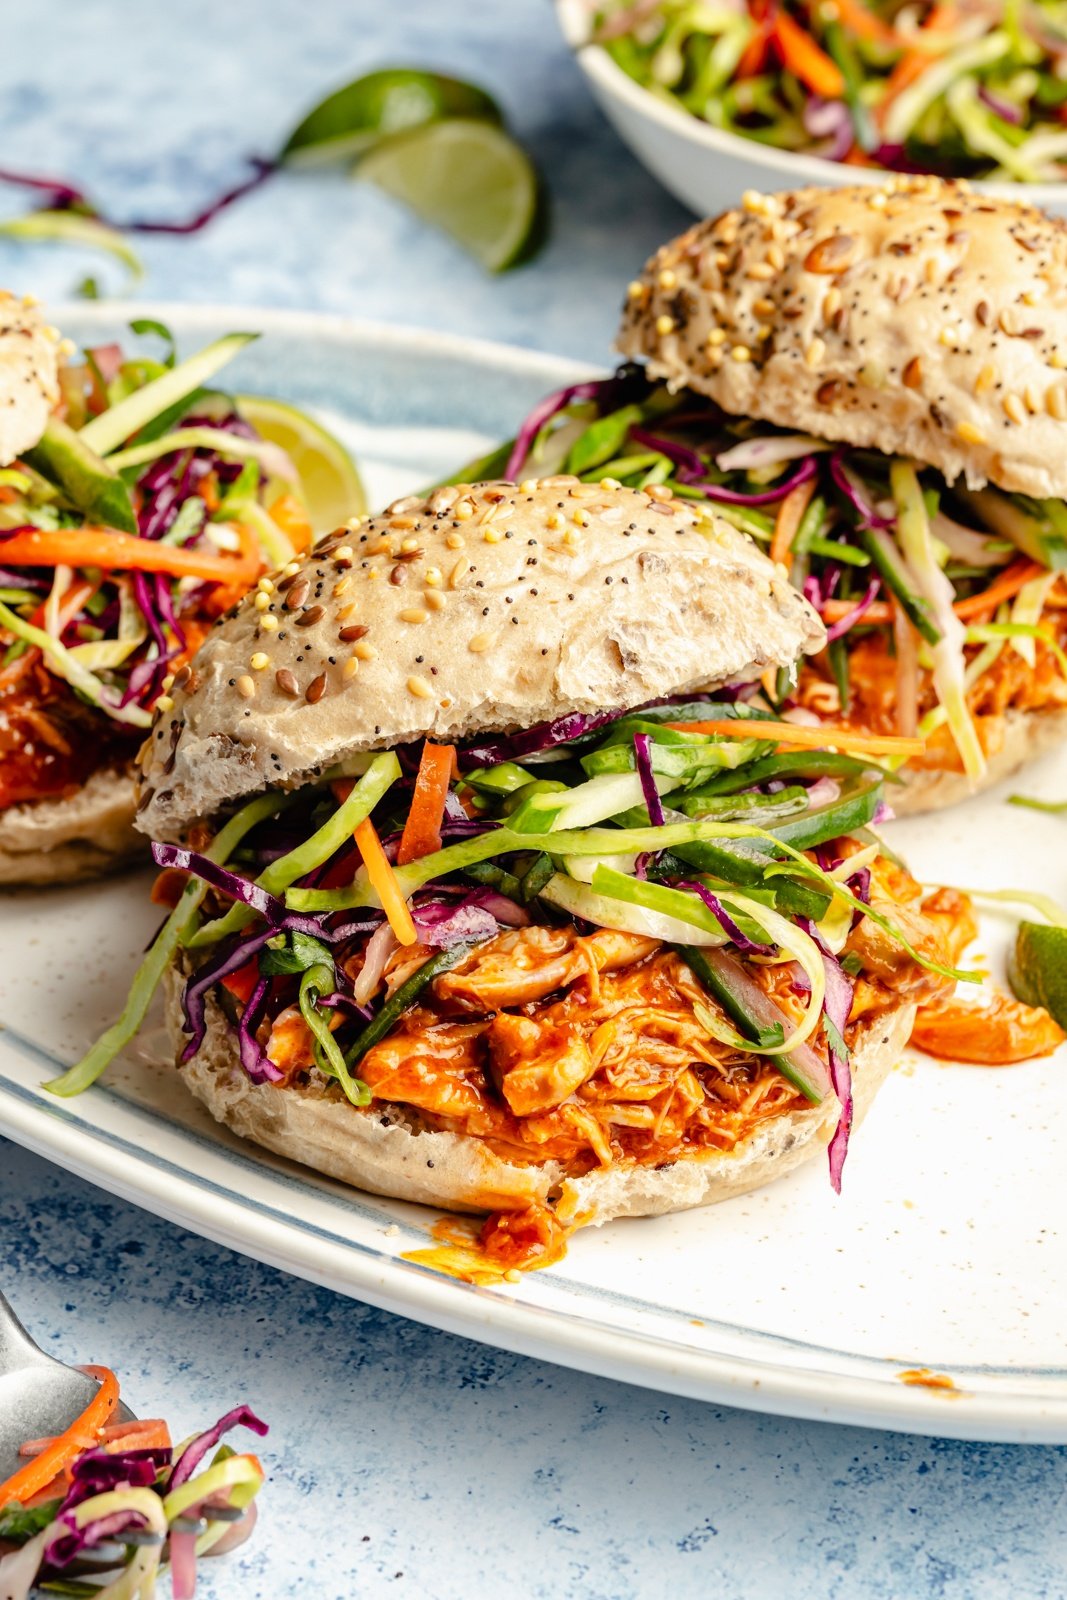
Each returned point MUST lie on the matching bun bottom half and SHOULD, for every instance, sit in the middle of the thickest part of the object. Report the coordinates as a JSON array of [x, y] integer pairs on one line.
[[1027, 735], [387, 1151], [68, 840]]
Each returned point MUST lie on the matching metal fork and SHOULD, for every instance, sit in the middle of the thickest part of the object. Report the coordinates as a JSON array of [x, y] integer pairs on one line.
[[39, 1396]]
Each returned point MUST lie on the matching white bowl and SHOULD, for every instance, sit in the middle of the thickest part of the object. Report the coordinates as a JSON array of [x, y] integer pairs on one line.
[[709, 169]]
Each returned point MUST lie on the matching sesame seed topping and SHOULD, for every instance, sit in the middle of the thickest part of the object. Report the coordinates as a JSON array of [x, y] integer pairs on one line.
[[493, 535], [1014, 408], [717, 336], [350, 668], [985, 379], [454, 541], [741, 353], [434, 599], [413, 614], [815, 353], [479, 643], [164, 703], [433, 577], [667, 279], [635, 290], [419, 688], [969, 433], [528, 485], [365, 650], [1056, 402], [664, 325], [245, 687]]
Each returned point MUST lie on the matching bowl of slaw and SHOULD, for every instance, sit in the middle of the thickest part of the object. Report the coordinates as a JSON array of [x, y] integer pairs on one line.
[[967, 100]]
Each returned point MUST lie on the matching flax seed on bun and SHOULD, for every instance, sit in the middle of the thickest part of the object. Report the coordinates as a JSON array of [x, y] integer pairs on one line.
[[481, 608]]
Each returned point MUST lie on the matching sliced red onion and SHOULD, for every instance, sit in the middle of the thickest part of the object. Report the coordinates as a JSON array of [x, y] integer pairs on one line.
[[853, 493], [194, 1452], [513, 746], [850, 619], [182, 1551], [62, 196], [824, 791], [830, 122], [768, 450], [999, 106], [883, 813], [723, 917], [379, 948], [643, 761]]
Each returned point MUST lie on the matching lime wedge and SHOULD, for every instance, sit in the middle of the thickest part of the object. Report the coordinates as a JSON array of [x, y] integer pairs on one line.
[[329, 481], [1037, 968], [468, 178], [351, 120]]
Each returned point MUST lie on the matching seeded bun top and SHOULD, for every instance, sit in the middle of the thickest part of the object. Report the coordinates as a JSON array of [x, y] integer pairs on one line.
[[29, 358], [480, 608], [915, 318]]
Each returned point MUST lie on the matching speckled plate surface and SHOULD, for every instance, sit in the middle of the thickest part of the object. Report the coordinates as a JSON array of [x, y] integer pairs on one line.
[[945, 1254]]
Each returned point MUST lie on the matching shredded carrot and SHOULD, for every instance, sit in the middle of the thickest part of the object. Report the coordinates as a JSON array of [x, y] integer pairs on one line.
[[790, 516], [290, 513], [209, 492], [422, 830], [807, 60], [804, 737], [754, 55], [914, 62], [232, 589], [856, 18], [81, 1435], [907, 652], [1009, 583], [383, 878], [152, 1434], [103, 547]]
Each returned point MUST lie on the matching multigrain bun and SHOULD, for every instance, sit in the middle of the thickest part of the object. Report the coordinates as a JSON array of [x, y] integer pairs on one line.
[[1025, 735], [385, 1150], [915, 318], [29, 390], [480, 608], [64, 840]]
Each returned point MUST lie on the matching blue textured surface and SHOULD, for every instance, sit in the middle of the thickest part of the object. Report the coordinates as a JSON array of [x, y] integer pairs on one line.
[[402, 1460]]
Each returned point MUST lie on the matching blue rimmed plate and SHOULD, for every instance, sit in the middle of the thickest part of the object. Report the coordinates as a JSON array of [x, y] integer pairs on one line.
[[946, 1253]]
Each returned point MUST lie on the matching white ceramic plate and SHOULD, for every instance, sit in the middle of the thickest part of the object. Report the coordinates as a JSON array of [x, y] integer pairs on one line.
[[709, 168], [946, 1250]]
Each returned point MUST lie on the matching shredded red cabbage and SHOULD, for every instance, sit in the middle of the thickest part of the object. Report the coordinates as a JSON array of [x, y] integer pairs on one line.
[[531, 741], [643, 760], [837, 1005], [268, 905], [593, 389], [444, 925], [191, 1457], [62, 196], [850, 619], [766, 497], [63, 1548], [255, 1060], [723, 917]]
